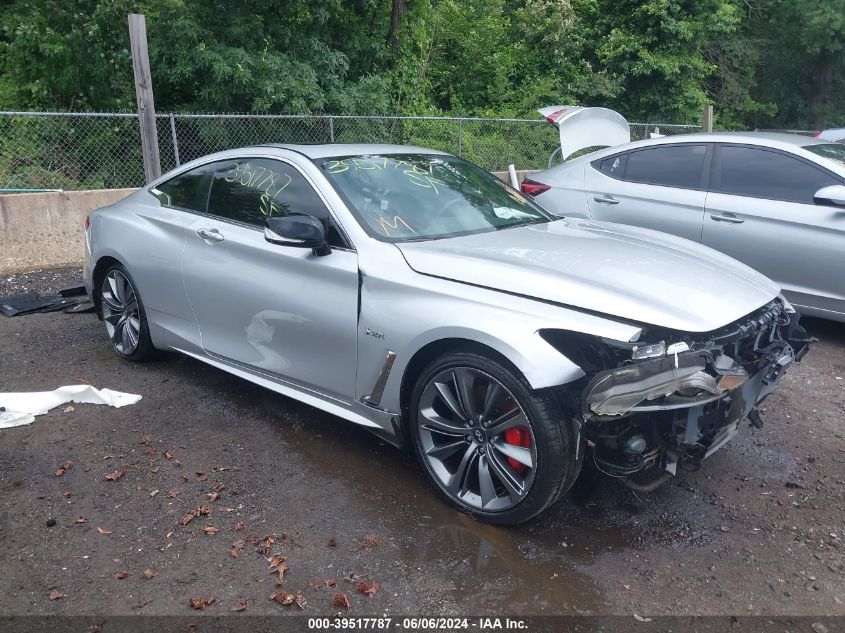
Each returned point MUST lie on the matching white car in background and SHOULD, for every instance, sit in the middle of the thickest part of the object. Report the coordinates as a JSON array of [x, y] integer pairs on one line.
[[773, 201]]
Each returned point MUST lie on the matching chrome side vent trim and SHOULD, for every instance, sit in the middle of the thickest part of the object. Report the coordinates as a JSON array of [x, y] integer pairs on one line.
[[374, 399]]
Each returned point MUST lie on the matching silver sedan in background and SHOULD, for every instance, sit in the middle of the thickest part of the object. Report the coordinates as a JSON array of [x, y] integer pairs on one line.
[[773, 201], [416, 295]]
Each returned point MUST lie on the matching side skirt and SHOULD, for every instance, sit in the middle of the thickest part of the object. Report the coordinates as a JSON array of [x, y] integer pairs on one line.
[[381, 422]]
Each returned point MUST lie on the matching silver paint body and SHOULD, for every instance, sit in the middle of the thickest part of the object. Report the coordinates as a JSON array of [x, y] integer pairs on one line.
[[309, 327], [800, 246]]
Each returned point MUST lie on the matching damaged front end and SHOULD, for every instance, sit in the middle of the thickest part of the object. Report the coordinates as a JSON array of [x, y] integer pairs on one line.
[[648, 408]]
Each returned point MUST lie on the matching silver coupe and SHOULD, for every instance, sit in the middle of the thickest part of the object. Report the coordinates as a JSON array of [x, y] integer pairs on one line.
[[412, 293]]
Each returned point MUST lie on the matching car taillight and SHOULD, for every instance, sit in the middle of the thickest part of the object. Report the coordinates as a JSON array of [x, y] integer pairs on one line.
[[533, 188], [87, 222]]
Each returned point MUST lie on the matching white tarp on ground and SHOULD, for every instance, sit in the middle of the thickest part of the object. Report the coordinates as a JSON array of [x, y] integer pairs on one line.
[[21, 408]]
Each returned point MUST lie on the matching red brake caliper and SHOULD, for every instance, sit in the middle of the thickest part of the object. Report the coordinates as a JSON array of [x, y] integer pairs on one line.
[[517, 436]]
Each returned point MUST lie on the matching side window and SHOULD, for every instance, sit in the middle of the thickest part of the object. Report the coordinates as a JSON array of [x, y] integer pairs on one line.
[[668, 165], [254, 189], [188, 190], [613, 166], [749, 171]]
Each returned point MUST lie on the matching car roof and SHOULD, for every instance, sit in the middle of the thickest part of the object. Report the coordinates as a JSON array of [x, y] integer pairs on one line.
[[770, 139], [777, 140], [330, 150]]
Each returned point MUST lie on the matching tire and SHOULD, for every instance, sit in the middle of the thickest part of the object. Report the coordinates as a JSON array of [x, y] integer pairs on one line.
[[124, 317], [504, 458]]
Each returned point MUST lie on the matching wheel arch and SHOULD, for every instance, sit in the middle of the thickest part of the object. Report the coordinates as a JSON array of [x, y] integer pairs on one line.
[[103, 264], [427, 353]]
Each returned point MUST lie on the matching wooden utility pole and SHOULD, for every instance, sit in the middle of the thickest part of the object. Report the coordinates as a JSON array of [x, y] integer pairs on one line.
[[707, 119], [144, 95]]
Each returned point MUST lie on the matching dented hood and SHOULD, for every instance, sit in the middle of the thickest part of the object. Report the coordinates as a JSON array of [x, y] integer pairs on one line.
[[624, 271]]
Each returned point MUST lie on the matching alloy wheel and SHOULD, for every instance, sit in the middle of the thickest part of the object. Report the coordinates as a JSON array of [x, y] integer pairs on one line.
[[121, 313], [476, 439]]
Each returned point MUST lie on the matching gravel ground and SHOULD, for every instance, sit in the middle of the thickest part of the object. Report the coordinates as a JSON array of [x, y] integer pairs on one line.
[[757, 531]]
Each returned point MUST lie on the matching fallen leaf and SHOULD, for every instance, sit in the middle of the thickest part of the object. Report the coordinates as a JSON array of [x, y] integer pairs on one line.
[[213, 496], [146, 440], [61, 470], [168, 455], [239, 526], [67, 494], [201, 603], [104, 532], [173, 493], [70, 408], [282, 597], [237, 546], [315, 586], [370, 541], [369, 589], [151, 452], [81, 520], [201, 476], [88, 442], [121, 575], [241, 606], [190, 516], [219, 486], [149, 574], [185, 479], [115, 475], [332, 541], [264, 545], [341, 600], [56, 595], [187, 518], [329, 582], [249, 538], [300, 600], [276, 560], [210, 529]]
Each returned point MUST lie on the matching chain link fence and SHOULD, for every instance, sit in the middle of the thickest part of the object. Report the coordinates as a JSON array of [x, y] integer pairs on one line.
[[72, 151]]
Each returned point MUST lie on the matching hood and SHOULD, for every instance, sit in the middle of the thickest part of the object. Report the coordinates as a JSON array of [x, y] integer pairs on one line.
[[619, 270]]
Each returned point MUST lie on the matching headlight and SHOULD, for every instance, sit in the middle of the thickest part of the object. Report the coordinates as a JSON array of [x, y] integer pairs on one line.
[[636, 387]]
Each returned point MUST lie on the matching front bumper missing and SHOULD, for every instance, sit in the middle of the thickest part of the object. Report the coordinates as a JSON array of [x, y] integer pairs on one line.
[[645, 419]]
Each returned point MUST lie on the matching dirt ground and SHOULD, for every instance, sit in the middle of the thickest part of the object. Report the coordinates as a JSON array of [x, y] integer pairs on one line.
[[758, 530]]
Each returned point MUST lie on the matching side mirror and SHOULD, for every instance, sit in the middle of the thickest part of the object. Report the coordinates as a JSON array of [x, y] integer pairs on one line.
[[832, 195], [299, 230]]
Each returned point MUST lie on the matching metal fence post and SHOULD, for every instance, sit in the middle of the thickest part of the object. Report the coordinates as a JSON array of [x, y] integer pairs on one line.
[[175, 144], [331, 129], [460, 135]]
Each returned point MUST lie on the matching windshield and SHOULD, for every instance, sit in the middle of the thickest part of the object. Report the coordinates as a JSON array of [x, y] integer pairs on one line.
[[833, 151], [426, 196]]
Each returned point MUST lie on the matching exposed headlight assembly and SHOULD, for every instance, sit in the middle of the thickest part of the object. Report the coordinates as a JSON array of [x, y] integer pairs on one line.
[[676, 381]]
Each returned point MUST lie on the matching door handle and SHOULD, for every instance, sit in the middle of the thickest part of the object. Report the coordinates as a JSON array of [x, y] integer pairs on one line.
[[210, 235], [726, 217], [606, 199]]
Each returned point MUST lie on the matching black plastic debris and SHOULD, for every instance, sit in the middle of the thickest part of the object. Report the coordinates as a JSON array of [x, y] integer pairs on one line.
[[29, 303], [73, 291], [85, 305]]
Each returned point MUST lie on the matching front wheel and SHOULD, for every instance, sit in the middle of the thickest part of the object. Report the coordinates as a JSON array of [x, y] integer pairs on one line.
[[490, 444]]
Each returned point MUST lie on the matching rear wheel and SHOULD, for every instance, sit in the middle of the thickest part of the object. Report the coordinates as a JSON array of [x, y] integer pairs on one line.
[[124, 317], [490, 444]]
